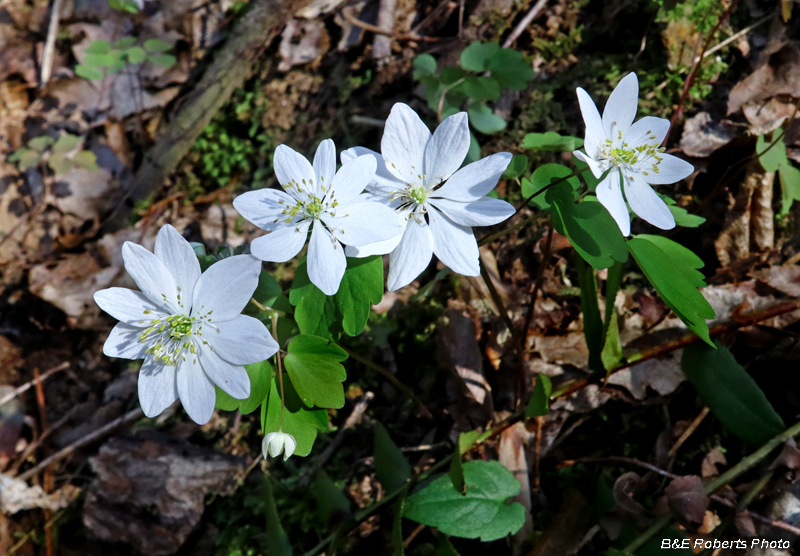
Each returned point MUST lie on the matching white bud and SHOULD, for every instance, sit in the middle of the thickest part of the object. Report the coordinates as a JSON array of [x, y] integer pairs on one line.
[[276, 442]]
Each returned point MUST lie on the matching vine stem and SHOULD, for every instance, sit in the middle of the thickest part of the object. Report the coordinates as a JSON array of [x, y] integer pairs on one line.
[[280, 369]]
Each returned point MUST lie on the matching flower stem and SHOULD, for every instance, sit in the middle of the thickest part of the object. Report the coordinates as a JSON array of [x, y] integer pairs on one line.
[[280, 369]]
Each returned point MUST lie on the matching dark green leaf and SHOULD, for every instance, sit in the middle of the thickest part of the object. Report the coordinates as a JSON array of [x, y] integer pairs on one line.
[[551, 141], [424, 66], [277, 540], [300, 421], [313, 364], [481, 88], [476, 56], [270, 294], [456, 472], [163, 60], [260, 378], [539, 403], [542, 177], [730, 393], [474, 152], [510, 69], [587, 175], [516, 167], [332, 504], [484, 120], [772, 156], [123, 43], [87, 72], [790, 187], [592, 323], [157, 45], [397, 526], [482, 513], [451, 75], [391, 466]]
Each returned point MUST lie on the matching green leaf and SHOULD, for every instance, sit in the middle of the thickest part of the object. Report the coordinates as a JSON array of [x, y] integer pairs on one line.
[[772, 156], [592, 323], [397, 525], [683, 218], [510, 69], [270, 294], [391, 466], [481, 88], [482, 513], [539, 403], [456, 472], [277, 540], [66, 143], [484, 120], [28, 159], [477, 55], [424, 66], [589, 227], [474, 152], [98, 47], [451, 75], [587, 175], [332, 504], [98, 60], [225, 401], [516, 167], [541, 178], [612, 347], [41, 143], [135, 55], [300, 421], [86, 160], [59, 164], [551, 141], [157, 45], [163, 60], [790, 187], [260, 378], [730, 393], [122, 44], [313, 364], [673, 271], [87, 72]]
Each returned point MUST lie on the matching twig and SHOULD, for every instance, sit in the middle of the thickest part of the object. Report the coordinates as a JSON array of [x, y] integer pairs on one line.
[[548, 245], [382, 43], [14, 393], [532, 14], [733, 37], [687, 433], [50, 43], [375, 29]]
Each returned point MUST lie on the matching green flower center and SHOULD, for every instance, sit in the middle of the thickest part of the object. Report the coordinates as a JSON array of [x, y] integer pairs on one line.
[[627, 157], [418, 194], [180, 326]]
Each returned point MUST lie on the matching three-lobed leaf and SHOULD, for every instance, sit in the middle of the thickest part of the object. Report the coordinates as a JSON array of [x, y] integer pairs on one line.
[[484, 119], [510, 69], [299, 420], [313, 364], [424, 66], [551, 141], [477, 55], [260, 375], [544, 176]]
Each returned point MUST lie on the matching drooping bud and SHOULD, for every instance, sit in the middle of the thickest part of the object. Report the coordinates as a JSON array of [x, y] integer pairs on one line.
[[276, 442]]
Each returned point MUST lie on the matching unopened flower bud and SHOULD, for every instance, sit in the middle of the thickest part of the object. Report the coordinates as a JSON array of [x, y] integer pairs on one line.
[[277, 442]]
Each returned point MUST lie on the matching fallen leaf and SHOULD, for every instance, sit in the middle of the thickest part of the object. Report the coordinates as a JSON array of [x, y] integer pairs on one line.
[[16, 495], [687, 498], [713, 458]]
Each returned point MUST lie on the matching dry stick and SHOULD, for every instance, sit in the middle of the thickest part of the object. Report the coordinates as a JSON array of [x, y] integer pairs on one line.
[[13, 394], [423, 409], [687, 433], [539, 279], [88, 439], [47, 482], [375, 29], [524, 22], [50, 43], [382, 43]]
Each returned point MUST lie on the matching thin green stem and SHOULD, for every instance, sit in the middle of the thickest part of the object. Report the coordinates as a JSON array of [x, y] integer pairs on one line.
[[280, 369]]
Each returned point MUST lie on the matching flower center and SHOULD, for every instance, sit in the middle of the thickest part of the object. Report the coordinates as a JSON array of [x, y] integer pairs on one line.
[[180, 326], [170, 338], [627, 157], [417, 194]]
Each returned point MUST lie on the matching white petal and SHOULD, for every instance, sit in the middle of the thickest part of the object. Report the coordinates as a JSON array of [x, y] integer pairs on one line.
[[364, 223], [326, 261], [595, 133], [671, 169], [403, 143], [282, 244], [446, 150], [241, 341], [595, 166], [123, 342], [620, 109], [226, 287], [293, 171], [289, 446], [475, 180], [454, 244], [352, 178], [264, 206], [411, 256], [152, 277], [377, 248], [609, 193], [647, 131], [232, 379], [157, 387], [195, 390], [483, 212], [178, 256], [324, 166], [128, 306], [384, 183], [646, 203]]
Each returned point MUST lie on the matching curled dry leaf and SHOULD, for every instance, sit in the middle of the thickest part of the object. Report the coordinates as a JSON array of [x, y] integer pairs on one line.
[[702, 135], [687, 498], [626, 488], [710, 462]]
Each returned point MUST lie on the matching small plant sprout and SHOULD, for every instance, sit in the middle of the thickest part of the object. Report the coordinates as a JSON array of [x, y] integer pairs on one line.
[[632, 154], [186, 325], [276, 442], [418, 175], [332, 201]]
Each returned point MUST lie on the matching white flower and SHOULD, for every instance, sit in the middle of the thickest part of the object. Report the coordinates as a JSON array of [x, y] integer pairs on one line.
[[186, 326], [276, 442], [331, 200], [633, 153], [418, 175]]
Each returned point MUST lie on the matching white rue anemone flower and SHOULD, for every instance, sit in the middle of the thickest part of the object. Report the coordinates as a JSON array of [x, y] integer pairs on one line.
[[332, 201], [276, 442], [186, 325], [418, 175], [633, 153]]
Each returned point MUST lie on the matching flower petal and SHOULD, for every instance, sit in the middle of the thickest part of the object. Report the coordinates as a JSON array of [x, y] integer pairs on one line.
[[266, 208], [157, 387], [609, 193], [128, 306], [475, 180], [152, 277], [324, 166], [647, 131], [363, 223], [403, 143], [411, 256], [195, 390], [326, 261], [282, 244], [294, 172], [454, 244], [242, 340], [483, 212], [226, 287], [123, 342], [352, 178], [595, 132], [646, 203], [620, 109], [178, 256], [384, 183], [232, 379], [377, 248], [446, 150], [671, 169], [595, 166]]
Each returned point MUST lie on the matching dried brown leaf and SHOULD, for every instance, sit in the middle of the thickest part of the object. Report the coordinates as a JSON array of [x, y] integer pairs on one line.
[[687, 498]]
